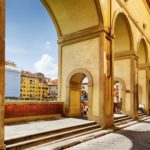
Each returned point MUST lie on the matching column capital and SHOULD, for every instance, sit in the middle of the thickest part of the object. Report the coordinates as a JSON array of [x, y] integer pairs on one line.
[[144, 66], [126, 54]]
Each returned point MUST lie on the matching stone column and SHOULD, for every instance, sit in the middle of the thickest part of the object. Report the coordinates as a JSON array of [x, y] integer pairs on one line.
[[134, 86], [144, 83], [147, 108], [106, 82], [148, 87], [2, 71]]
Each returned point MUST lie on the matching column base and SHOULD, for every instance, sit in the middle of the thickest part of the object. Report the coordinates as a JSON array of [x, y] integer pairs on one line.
[[2, 147]]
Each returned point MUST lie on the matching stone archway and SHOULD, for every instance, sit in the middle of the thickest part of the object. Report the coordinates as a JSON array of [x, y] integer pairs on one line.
[[143, 76], [123, 92], [123, 34], [82, 44], [124, 60], [74, 85]]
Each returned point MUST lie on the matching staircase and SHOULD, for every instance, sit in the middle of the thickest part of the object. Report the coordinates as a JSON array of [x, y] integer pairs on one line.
[[142, 115], [51, 136], [125, 121], [69, 136], [122, 120]]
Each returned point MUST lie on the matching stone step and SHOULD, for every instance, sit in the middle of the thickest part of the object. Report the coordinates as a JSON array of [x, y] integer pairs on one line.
[[42, 134], [50, 138], [121, 126], [66, 143], [143, 116], [121, 119], [71, 141]]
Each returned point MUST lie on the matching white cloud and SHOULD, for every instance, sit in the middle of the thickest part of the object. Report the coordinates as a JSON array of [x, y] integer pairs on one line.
[[47, 66], [48, 45]]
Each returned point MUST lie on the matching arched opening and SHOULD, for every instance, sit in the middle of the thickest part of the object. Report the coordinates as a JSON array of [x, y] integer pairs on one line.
[[119, 96], [79, 95], [122, 40], [143, 102], [34, 50], [84, 98], [142, 52], [122, 64]]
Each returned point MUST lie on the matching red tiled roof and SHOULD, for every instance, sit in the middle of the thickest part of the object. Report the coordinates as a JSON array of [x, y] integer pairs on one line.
[[53, 82]]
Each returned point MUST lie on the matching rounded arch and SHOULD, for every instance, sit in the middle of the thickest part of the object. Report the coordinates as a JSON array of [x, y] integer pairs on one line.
[[142, 51], [121, 29], [74, 83], [123, 90], [116, 79], [82, 15], [80, 71]]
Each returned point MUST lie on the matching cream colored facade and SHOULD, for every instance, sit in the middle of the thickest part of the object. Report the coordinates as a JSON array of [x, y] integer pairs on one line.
[[102, 40]]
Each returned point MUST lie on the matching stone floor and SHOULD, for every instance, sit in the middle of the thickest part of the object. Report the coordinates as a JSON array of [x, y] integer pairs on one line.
[[19, 130], [28, 128], [135, 137], [118, 115]]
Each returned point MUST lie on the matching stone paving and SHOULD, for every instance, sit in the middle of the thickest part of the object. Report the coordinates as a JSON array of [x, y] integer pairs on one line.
[[28, 128], [135, 137], [118, 115]]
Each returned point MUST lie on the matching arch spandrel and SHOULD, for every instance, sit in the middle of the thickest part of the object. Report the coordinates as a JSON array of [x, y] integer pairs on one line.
[[71, 16]]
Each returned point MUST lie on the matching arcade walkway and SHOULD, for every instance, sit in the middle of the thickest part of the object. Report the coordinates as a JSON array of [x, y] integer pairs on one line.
[[135, 137]]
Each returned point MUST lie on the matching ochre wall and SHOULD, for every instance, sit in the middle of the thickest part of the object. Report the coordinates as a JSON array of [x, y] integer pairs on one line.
[[142, 84], [122, 70], [82, 55]]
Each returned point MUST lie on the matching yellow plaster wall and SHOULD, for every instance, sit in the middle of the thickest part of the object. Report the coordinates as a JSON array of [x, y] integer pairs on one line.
[[82, 55], [140, 12], [75, 102], [122, 70], [105, 5], [142, 84]]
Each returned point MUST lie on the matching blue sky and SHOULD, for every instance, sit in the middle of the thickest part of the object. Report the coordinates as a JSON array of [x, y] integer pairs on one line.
[[31, 39]]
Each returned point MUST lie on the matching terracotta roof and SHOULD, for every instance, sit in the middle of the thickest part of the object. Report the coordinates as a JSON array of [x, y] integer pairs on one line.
[[53, 82]]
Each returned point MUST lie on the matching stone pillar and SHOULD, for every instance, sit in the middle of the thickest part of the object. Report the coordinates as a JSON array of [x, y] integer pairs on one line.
[[126, 69], [2, 71], [148, 84], [147, 88], [144, 84], [134, 86], [106, 82]]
